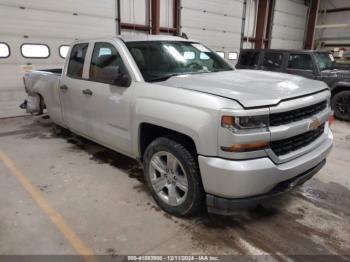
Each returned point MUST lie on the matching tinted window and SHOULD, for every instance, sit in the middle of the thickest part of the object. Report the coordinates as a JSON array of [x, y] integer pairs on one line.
[[63, 50], [106, 63], [35, 51], [76, 60], [300, 61], [160, 60], [4, 50], [325, 61], [273, 60], [249, 58]]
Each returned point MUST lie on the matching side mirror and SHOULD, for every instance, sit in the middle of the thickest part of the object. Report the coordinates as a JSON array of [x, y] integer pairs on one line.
[[123, 80], [114, 76]]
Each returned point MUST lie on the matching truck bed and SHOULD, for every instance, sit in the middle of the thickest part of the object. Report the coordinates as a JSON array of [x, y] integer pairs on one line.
[[39, 84]]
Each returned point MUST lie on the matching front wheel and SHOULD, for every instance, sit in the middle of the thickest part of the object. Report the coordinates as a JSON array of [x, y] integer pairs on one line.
[[341, 105], [172, 175]]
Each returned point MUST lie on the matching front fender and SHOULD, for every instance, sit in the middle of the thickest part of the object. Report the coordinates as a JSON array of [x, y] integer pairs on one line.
[[201, 124]]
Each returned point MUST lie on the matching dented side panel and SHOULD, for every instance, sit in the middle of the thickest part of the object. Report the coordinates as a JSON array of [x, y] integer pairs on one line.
[[44, 85]]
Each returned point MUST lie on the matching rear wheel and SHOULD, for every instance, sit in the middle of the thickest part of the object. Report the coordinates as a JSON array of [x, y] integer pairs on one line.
[[341, 105], [172, 175]]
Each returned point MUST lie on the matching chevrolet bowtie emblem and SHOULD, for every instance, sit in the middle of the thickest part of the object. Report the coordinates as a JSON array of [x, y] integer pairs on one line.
[[314, 124]]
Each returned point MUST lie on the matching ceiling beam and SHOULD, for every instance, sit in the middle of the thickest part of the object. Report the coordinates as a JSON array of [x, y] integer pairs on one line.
[[335, 10], [333, 26]]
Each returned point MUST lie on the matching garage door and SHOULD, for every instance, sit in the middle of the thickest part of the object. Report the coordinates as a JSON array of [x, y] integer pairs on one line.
[[217, 23], [35, 31], [289, 21]]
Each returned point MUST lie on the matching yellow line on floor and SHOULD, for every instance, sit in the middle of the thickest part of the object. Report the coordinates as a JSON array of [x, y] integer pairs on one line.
[[54, 216]]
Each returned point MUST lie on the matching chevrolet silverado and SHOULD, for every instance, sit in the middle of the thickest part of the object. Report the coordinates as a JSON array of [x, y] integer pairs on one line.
[[204, 132]]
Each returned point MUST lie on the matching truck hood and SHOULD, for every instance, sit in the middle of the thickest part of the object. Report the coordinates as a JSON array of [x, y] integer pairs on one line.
[[251, 88]]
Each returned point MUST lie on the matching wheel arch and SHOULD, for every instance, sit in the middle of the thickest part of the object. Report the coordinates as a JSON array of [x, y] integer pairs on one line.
[[339, 87], [149, 132]]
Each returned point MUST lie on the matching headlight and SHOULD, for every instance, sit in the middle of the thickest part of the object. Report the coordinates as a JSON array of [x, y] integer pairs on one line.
[[238, 123]]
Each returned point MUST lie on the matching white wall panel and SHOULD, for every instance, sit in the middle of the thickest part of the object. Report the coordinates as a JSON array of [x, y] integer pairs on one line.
[[295, 7], [291, 34], [228, 41], [14, 21], [334, 35], [166, 13], [210, 21], [289, 24], [330, 4], [224, 7], [289, 20], [100, 8], [134, 11], [49, 22], [216, 23]]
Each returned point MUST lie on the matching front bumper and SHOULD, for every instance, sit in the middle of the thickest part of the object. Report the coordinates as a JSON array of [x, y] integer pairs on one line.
[[224, 206], [232, 179]]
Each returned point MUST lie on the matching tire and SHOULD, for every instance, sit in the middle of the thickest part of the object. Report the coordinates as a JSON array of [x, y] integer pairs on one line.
[[162, 151], [341, 105]]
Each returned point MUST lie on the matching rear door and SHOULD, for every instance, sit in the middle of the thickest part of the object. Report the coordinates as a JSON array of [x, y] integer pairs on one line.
[[301, 64], [75, 105]]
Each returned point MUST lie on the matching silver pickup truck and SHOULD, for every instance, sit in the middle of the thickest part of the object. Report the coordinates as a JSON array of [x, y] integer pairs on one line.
[[203, 131]]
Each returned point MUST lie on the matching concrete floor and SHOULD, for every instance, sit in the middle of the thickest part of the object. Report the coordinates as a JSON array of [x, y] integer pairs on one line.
[[101, 197]]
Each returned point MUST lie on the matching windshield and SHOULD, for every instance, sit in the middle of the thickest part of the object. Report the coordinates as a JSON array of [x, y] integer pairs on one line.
[[160, 60], [324, 61]]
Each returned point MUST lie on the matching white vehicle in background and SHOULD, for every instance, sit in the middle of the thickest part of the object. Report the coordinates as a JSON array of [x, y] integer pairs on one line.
[[202, 130]]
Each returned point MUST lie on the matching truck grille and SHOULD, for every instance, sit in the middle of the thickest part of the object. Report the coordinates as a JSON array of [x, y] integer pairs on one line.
[[285, 146], [278, 119]]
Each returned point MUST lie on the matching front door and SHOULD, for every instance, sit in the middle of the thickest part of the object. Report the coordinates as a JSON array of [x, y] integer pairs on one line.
[[109, 102], [301, 64]]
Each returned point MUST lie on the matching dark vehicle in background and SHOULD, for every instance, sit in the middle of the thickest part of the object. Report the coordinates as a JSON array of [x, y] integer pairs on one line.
[[308, 63]]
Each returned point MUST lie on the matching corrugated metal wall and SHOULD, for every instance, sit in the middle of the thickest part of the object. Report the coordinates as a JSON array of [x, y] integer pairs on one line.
[[335, 35], [138, 12], [134, 12], [216, 23], [289, 21], [49, 22]]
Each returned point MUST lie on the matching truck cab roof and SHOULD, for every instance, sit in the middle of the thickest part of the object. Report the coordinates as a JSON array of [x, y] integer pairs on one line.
[[138, 38]]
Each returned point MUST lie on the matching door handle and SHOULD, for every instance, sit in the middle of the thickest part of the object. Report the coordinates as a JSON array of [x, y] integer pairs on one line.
[[64, 87], [87, 92]]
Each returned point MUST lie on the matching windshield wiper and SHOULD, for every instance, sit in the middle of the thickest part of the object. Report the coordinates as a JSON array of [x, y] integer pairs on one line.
[[163, 78]]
